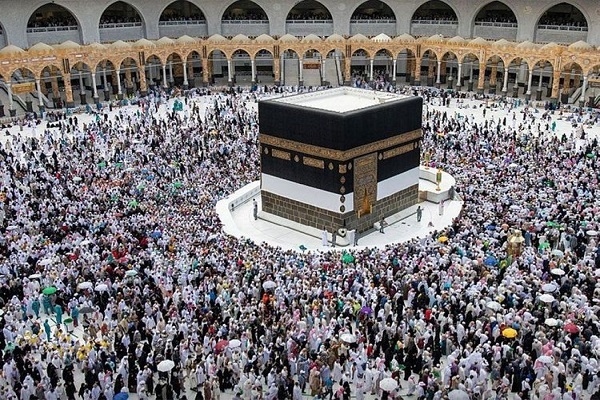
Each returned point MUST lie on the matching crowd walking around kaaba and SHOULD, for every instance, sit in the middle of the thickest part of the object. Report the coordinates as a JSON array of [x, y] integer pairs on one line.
[[117, 280]]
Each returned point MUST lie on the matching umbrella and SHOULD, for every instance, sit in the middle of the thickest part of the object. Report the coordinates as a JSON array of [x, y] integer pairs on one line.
[[35, 276], [12, 227], [221, 344], [458, 394], [77, 179], [134, 203], [557, 271], [165, 365], [366, 310], [571, 328], [443, 239], [269, 285], [549, 287], [544, 245], [545, 359], [303, 247], [592, 233], [49, 290], [235, 343], [177, 185], [85, 285], [46, 261], [131, 272], [558, 253], [348, 338], [101, 287], [388, 384], [509, 333], [551, 321], [121, 396], [494, 305], [546, 298], [347, 258], [86, 310], [490, 261]]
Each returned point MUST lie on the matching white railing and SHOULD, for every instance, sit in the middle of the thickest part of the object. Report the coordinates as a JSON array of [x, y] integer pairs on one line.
[[120, 25], [52, 29], [309, 21], [496, 24], [186, 22], [372, 21], [564, 28], [434, 22], [245, 21]]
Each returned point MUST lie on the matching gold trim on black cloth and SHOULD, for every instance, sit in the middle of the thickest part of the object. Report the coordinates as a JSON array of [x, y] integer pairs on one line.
[[339, 155]]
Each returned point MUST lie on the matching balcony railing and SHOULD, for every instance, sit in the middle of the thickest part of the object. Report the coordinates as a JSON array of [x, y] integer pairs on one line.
[[309, 21], [372, 21], [244, 21], [434, 22], [121, 25], [496, 24], [564, 28], [185, 22], [38, 29]]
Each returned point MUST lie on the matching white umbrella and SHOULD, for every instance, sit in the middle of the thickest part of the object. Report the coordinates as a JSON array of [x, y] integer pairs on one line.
[[348, 338], [269, 285], [592, 232], [35, 276], [557, 271], [77, 179], [234, 343], [494, 305], [101, 287], [388, 384], [46, 261], [11, 227], [546, 298], [458, 395], [558, 253], [85, 285], [165, 365], [549, 287], [85, 242], [551, 321], [131, 272], [545, 359]]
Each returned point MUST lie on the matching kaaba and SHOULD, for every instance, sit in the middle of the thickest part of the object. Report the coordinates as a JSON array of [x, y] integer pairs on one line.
[[339, 158]]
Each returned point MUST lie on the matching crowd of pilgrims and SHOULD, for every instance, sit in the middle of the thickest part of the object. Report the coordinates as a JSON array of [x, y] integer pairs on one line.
[[118, 216]]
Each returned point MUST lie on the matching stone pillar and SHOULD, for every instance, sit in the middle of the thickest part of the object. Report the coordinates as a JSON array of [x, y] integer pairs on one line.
[[459, 77], [190, 74], [481, 78], [82, 88], [164, 76], [409, 72], [38, 88], [301, 72], [493, 78], [230, 72], [371, 61], [106, 91], [516, 85], [185, 76], [119, 89], [68, 91], [253, 70], [347, 71], [128, 81], [505, 83], [11, 105], [143, 81], [417, 72], [171, 78], [583, 90], [538, 92], [439, 72], [529, 81], [555, 86], [205, 75], [94, 88], [443, 72], [430, 73], [394, 69], [564, 96]]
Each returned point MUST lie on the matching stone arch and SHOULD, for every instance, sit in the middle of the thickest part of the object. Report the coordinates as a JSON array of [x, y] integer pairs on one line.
[[121, 11], [244, 9], [560, 7], [290, 65], [405, 64], [310, 53], [261, 50], [181, 10], [3, 36], [504, 12], [360, 63], [52, 86], [53, 23], [495, 20], [435, 10], [562, 22], [373, 9], [121, 20], [106, 70], [217, 64], [307, 10]]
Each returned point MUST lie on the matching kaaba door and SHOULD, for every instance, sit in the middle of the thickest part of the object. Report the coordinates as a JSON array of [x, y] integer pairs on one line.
[[365, 184]]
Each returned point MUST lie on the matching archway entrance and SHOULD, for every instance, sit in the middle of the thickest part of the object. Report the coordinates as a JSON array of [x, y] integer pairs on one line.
[[120, 21], [52, 24]]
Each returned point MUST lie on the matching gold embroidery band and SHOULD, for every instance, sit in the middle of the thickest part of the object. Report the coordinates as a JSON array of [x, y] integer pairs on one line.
[[339, 155], [313, 162], [284, 155], [398, 150]]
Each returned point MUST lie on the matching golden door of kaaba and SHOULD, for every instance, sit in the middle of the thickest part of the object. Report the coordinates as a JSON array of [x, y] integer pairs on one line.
[[365, 184]]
